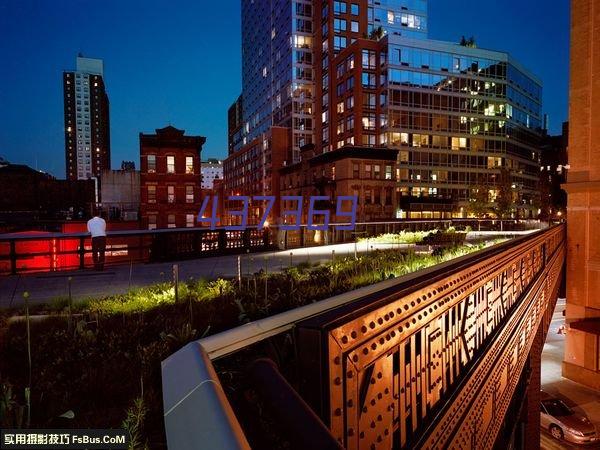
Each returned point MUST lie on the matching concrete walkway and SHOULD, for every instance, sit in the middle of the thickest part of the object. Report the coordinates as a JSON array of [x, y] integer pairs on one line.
[[44, 287], [573, 394]]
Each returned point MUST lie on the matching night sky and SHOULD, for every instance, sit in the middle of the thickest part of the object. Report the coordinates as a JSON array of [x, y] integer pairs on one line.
[[179, 64]]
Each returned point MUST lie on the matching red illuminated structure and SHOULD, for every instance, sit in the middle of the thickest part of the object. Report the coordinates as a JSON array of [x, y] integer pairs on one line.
[[170, 178]]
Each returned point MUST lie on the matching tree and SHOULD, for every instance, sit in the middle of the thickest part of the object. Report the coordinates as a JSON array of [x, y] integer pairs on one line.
[[468, 42], [377, 34], [504, 204], [479, 202]]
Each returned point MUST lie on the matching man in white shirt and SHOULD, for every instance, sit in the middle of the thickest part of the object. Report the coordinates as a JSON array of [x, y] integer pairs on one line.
[[97, 228]]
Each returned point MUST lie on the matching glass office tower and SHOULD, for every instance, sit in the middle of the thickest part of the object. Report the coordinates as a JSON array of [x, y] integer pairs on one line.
[[463, 118]]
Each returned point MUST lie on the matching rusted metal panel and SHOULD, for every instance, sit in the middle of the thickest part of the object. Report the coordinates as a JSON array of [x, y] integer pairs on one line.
[[436, 364]]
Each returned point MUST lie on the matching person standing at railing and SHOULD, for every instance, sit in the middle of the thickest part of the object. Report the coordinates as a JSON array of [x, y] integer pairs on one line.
[[97, 228]]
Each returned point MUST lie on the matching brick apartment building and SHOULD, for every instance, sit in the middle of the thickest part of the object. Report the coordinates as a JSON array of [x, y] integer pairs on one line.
[[254, 170], [170, 178], [368, 173]]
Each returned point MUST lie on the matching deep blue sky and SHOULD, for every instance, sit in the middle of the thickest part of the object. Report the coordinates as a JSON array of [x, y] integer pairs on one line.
[[179, 63]]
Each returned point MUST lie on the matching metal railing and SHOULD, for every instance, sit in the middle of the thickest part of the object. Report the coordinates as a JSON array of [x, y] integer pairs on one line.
[[45, 252], [446, 347]]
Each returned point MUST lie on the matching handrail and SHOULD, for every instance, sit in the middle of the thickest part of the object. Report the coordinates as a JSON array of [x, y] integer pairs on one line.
[[186, 410], [229, 341], [115, 233], [196, 411]]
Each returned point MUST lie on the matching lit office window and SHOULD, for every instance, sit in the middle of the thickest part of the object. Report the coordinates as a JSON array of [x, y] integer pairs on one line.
[[170, 164]]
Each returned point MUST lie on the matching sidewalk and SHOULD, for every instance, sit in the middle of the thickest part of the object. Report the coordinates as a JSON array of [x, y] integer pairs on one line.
[[573, 394], [43, 287]]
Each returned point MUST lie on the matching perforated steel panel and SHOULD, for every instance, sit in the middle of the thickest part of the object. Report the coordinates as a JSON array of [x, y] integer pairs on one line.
[[436, 363]]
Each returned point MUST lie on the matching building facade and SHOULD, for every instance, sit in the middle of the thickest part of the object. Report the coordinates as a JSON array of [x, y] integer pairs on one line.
[[86, 116], [33, 197], [553, 174], [277, 70], [234, 125], [211, 169], [170, 178], [120, 194], [582, 347], [254, 171], [367, 173], [461, 118]]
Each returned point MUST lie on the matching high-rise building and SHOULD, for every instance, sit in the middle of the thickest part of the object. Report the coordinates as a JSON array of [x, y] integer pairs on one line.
[[87, 125], [277, 70], [364, 74], [234, 125]]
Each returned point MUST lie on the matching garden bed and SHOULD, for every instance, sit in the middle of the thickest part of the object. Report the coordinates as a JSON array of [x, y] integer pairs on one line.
[[104, 365]]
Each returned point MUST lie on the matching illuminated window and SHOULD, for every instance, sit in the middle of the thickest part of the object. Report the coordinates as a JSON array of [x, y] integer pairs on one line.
[[171, 221], [189, 194], [189, 220], [458, 143], [151, 163], [170, 164], [388, 172], [189, 164], [152, 222], [171, 194], [377, 171], [151, 194]]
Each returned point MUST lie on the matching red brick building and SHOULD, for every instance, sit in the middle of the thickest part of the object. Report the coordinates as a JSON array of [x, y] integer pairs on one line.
[[170, 180], [368, 173], [254, 170], [352, 94]]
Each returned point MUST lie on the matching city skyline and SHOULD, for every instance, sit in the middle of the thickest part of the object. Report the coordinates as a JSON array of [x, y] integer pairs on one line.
[[187, 98]]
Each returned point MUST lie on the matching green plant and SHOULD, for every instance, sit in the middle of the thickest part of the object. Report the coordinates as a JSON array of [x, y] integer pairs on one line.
[[134, 425], [59, 303], [119, 341], [179, 337], [7, 406]]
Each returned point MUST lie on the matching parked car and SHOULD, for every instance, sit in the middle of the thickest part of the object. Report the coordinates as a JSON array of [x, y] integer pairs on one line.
[[564, 423]]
